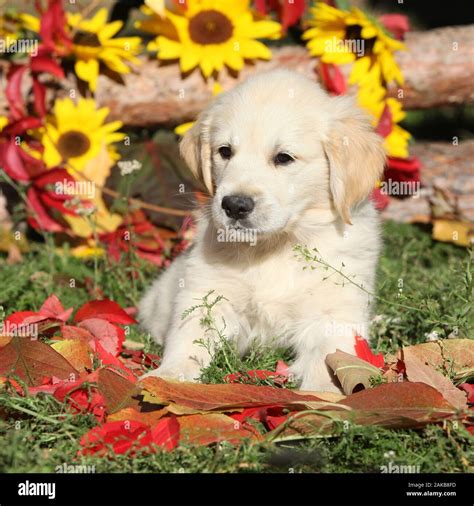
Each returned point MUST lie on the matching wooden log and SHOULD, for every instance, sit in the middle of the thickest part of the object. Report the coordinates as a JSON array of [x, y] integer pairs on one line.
[[445, 166], [438, 69]]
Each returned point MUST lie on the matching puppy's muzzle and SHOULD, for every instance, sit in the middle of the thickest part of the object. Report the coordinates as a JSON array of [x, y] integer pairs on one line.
[[237, 207]]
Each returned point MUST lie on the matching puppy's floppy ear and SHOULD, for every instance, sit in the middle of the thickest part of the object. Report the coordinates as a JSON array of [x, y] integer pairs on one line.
[[355, 154], [195, 148]]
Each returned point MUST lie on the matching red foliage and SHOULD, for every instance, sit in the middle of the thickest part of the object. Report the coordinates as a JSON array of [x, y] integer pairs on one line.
[[364, 352], [332, 78], [142, 233], [288, 12], [130, 436], [397, 24], [401, 170]]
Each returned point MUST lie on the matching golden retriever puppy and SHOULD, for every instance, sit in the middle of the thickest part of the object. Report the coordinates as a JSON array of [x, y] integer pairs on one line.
[[286, 165]]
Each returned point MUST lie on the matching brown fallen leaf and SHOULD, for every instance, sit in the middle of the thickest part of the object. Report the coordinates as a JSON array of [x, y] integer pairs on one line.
[[118, 392], [418, 371], [188, 398], [76, 352], [33, 361], [392, 405], [352, 372], [449, 356]]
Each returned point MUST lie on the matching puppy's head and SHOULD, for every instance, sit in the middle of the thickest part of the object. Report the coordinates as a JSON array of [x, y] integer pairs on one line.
[[277, 146]]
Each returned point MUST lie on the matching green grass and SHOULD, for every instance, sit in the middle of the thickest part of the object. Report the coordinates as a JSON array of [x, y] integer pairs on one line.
[[37, 435]]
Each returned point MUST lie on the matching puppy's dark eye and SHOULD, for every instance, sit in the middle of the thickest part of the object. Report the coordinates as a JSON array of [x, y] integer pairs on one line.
[[225, 152], [283, 159]]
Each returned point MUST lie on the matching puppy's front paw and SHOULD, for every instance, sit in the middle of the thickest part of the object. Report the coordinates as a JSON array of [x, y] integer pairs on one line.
[[319, 386], [188, 373]]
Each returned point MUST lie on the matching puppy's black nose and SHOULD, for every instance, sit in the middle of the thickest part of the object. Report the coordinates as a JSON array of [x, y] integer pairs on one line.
[[237, 206]]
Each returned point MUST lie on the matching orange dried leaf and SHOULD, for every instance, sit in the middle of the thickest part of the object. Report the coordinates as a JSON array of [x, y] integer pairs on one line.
[[76, 352], [195, 397]]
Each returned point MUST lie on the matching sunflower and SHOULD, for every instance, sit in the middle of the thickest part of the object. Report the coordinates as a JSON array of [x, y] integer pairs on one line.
[[76, 133], [342, 37], [211, 34], [3, 122], [373, 99], [93, 45], [8, 29]]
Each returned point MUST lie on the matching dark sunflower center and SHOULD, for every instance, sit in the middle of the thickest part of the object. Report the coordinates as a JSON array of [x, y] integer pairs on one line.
[[354, 33], [82, 38], [210, 27], [72, 144]]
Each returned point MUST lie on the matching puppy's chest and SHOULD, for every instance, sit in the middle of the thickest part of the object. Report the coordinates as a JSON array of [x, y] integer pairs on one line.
[[282, 289]]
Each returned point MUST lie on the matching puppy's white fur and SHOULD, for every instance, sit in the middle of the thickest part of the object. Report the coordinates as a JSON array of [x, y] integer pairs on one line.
[[319, 200]]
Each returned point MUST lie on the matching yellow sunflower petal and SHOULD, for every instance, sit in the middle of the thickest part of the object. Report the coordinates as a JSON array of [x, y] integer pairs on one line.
[[109, 30], [168, 49], [190, 58], [183, 128], [88, 71], [254, 49]]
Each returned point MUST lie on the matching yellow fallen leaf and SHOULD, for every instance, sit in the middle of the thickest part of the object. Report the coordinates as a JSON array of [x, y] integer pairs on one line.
[[457, 232], [76, 352]]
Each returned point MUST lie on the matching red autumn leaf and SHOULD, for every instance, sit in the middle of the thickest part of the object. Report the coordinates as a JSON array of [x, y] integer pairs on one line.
[[282, 369], [30, 324], [42, 63], [104, 309], [145, 236], [48, 386], [381, 200], [13, 91], [364, 352], [288, 12], [110, 336], [6, 382], [53, 28], [140, 357], [20, 126], [254, 376], [332, 78], [125, 436], [398, 24], [469, 389], [33, 360], [45, 187], [52, 308], [12, 162], [82, 396], [108, 359], [165, 433], [22, 318], [403, 170], [72, 332], [39, 95], [39, 218], [194, 396], [385, 124], [271, 416]]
